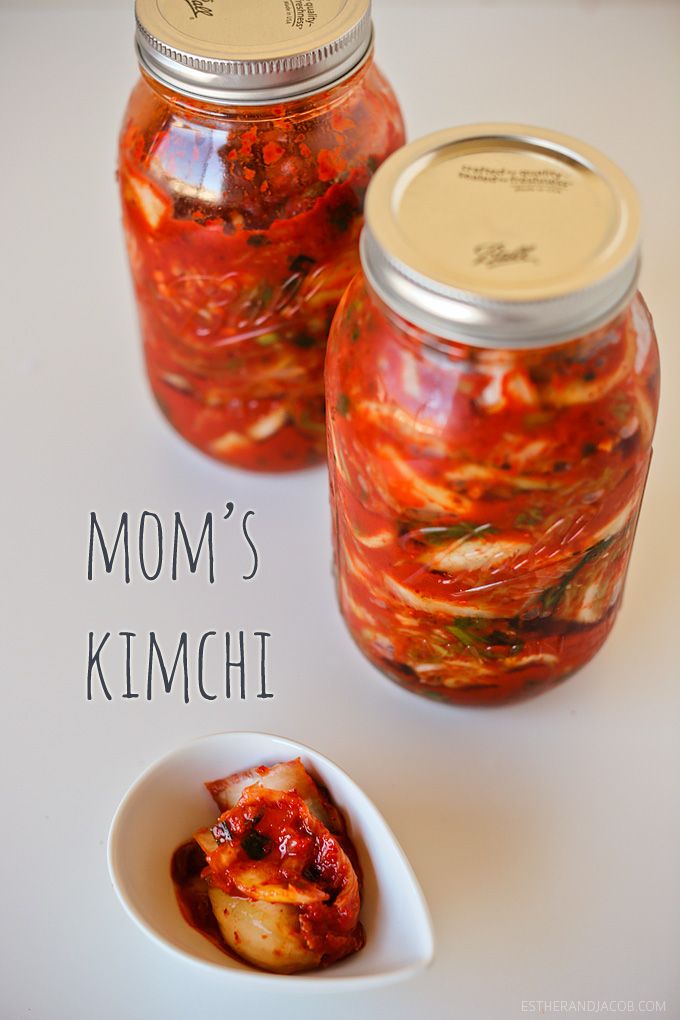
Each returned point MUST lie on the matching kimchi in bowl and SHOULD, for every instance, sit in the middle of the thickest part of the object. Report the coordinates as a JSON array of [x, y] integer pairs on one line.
[[169, 802]]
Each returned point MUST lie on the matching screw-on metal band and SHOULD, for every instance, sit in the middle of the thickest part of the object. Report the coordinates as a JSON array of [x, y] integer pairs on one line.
[[252, 72]]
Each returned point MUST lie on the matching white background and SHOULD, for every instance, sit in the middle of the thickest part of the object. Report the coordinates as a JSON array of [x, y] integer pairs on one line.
[[545, 836]]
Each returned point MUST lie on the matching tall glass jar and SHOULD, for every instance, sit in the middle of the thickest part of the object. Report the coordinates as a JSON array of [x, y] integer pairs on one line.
[[245, 153], [492, 382]]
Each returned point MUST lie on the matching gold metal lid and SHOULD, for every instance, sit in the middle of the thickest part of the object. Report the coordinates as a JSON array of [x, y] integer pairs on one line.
[[502, 235], [251, 51]]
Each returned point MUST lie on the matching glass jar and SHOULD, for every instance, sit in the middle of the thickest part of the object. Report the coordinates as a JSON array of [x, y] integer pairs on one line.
[[245, 153], [492, 383]]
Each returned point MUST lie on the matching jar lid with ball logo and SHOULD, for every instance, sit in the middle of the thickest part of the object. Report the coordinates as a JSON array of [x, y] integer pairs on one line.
[[502, 235]]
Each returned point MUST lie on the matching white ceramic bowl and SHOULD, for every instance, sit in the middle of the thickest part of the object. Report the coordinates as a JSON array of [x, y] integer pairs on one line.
[[169, 802]]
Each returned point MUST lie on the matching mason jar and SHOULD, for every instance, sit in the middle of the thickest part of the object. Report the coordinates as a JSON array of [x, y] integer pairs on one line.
[[492, 381], [245, 153]]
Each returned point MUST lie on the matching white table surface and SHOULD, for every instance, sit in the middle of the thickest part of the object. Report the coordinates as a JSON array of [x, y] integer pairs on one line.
[[546, 835]]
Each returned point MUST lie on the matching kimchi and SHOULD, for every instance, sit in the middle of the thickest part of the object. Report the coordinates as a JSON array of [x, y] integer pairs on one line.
[[275, 881]]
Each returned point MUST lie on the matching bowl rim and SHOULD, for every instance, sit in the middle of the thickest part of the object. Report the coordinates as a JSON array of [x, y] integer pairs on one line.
[[314, 980]]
